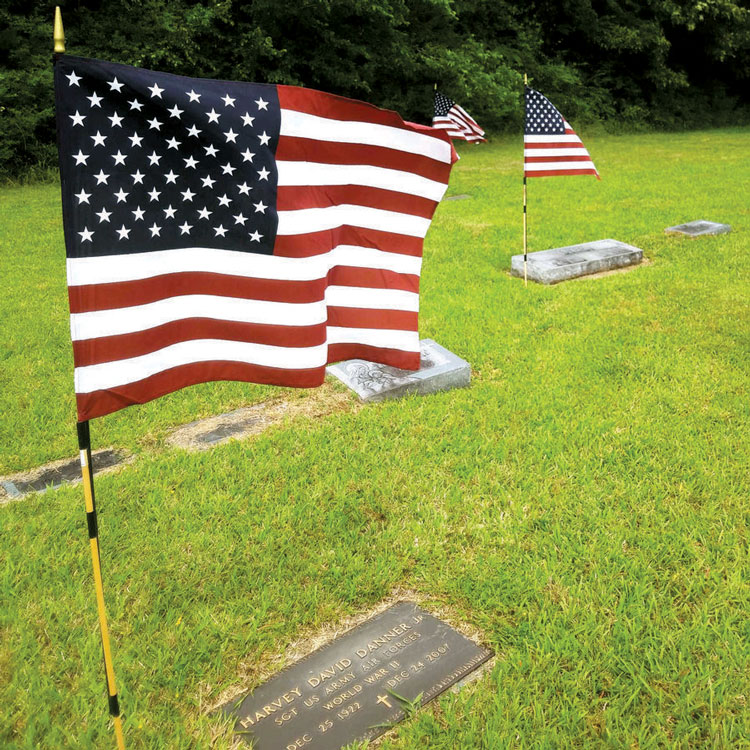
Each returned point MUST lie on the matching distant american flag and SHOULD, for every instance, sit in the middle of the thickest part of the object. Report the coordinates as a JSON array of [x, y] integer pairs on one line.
[[551, 147], [218, 230], [455, 120]]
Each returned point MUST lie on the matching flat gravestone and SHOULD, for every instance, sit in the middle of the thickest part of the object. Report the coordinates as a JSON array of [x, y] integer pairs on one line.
[[439, 370], [699, 228], [562, 263], [359, 685]]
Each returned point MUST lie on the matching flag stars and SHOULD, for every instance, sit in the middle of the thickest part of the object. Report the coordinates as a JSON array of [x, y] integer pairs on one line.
[[207, 181], [121, 195], [224, 200], [119, 157], [262, 104], [154, 194], [103, 215], [136, 105], [80, 157], [255, 236], [83, 197], [190, 162], [260, 207], [169, 212], [138, 177], [135, 140], [247, 120], [264, 138], [155, 91], [86, 235], [173, 143], [244, 188], [175, 112], [211, 150], [204, 213], [228, 169], [116, 120], [153, 158], [154, 229], [192, 130], [138, 213], [231, 136], [193, 96], [228, 101], [101, 177], [213, 115], [188, 195], [185, 228], [263, 174], [247, 155], [240, 219], [154, 124], [220, 230], [123, 232], [77, 119], [98, 139], [95, 100], [115, 85], [73, 78]]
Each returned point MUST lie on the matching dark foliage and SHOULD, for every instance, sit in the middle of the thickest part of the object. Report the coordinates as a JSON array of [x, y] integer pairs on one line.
[[625, 63]]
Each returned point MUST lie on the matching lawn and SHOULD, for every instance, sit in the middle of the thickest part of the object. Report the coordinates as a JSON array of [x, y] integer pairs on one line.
[[583, 505]]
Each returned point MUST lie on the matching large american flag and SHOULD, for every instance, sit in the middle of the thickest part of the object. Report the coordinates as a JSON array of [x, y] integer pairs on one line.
[[218, 230], [455, 120], [550, 146]]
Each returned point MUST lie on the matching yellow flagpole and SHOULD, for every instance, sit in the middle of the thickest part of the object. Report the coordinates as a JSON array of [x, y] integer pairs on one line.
[[84, 444], [525, 279]]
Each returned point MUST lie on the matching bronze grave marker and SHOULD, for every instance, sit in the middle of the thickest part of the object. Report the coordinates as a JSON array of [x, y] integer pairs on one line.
[[358, 685]]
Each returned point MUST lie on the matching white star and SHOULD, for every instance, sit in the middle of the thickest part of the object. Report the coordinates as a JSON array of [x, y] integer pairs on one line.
[[98, 139], [172, 143], [264, 139], [240, 219], [101, 177], [138, 177], [121, 195], [103, 215], [247, 120], [154, 124], [193, 96], [77, 119], [135, 104], [263, 174], [187, 195], [211, 150], [83, 197], [247, 155], [115, 85], [207, 181], [255, 236], [190, 162], [124, 233], [220, 230], [261, 104], [154, 158], [119, 157], [73, 78], [94, 99], [170, 212], [154, 194], [154, 230], [86, 235], [155, 91], [204, 213], [171, 177], [185, 228], [244, 188], [213, 115], [228, 169], [175, 111], [231, 136], [193, 131], [224, 200], [228, 101], [138, 213], [260, 207], [135, 140], [80, 157], [115, 119]]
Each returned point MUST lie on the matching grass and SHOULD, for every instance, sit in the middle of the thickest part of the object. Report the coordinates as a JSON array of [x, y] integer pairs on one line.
[[584, 504]]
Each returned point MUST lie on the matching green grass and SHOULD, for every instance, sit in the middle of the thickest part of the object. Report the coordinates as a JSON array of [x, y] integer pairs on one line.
[[584, 503]]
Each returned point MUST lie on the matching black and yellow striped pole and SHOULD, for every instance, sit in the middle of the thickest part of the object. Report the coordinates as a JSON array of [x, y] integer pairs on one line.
[[84, 444], [525, 84]]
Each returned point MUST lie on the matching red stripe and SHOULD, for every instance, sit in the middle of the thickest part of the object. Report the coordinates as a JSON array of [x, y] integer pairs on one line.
[[560, 172], [127, 345], [356, 317], [316, 243], [553, 159], [324, 152], [143, 291], [373, 278], [392, 357], [290, 198], [99, 403], [553, 144]]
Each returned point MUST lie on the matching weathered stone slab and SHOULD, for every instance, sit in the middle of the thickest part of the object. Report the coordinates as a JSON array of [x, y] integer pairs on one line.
[[461, 197], [562, 263], [699, 228], [440, 370], [358, 685]]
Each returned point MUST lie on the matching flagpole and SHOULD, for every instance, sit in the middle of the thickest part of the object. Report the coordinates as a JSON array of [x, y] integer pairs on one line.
[[84, 445], [525, 279]]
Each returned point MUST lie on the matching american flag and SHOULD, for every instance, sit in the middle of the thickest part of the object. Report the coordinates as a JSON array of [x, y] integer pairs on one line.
[[218, 230], [551, 147], [455, 120]]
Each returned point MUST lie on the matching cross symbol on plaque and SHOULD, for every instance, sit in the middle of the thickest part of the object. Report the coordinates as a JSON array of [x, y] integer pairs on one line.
[[384, 699]]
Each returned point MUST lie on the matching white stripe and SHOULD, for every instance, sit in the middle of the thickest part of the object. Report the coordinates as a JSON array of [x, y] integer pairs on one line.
[[407, 341], [113, 374], [551, 139], [303, 125], [311, 173], [305, 220], [558, 165], [556, 151], [90, 325], [374, 299], [107, 269], [84, 459]]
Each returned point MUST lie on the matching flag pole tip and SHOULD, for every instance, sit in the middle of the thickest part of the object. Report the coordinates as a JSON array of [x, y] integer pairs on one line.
[[525, 80], [58, 35]]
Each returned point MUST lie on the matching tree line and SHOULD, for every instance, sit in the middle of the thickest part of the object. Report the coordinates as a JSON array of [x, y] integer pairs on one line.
[[628, 64]]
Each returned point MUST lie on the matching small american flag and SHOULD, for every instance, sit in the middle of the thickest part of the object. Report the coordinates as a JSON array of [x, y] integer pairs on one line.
[[455, 120], [551, 147], [218, 230]]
